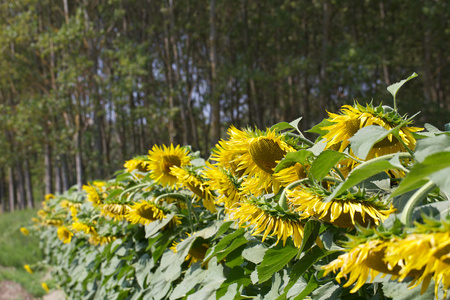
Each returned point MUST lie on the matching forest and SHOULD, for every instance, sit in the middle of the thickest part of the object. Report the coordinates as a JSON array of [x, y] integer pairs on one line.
[[88, 84]]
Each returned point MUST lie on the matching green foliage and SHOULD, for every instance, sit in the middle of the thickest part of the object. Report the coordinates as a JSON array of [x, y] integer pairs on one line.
[[195, 252]]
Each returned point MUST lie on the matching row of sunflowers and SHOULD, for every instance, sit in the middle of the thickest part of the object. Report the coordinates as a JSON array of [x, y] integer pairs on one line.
[[359, 213]]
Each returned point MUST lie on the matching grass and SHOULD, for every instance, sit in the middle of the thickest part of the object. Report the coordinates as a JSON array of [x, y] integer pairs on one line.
[[17, 250]]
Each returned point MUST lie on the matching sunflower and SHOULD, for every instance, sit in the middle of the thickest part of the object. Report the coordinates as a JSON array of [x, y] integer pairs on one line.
[[163, 159], [197, 251], [265, 150], [24, 231], [357, 262], [226, 152], [49, 196], [269, 220], [345, 211], [101, 240], [224, 183], [45, 287], [291, 174], [421, 253], [64, 234], [53, 222], [353, 118], [428, 252], [86, 227], [28, 269], [116, 211], [92, 194], [195, 183], [145, 212]]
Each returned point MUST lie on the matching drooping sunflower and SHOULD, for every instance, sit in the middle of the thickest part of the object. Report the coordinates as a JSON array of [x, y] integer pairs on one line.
[[195, 183], [163, 159], [24, 231], [28, 269], [344, 211], [99, 240], [265, 150], [224, 183], [145, 212], [268, 220], [64, 234], [227, 152], [421, 253], [291, 174], [197, 251], [116, 211], [86, 227], [353, 118], [93, 195]]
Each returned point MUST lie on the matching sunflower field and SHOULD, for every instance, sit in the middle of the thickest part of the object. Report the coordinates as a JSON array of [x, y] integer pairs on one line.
[[362, 212]]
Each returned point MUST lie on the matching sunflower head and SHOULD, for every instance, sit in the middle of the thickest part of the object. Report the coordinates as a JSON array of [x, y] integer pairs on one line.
[[268, 219], [352, 118], [24, 231], [344, 211], [116, 211], [196, 184], [163, 159], [93, 194], [64, 234], [86, 227], [145, 212], [140, 163]]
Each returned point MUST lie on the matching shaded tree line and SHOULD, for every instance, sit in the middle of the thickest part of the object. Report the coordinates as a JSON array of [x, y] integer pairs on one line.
[[85, 85]]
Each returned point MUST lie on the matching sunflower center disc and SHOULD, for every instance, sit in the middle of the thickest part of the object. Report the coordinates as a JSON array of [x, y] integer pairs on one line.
[[352, 126], [265, 154], [146, 213], [170, 161]]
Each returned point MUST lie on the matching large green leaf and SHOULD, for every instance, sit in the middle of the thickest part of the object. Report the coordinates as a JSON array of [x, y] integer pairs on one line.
[[292, 158], [324, 163], [363, 141], [255, 253], [318, 128], [393, 88], [359, 174], [274, 260], [420, 171], [429, 146], [224, 243]]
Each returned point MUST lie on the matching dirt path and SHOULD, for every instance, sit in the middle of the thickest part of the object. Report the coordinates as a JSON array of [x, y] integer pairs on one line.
[[10, 290]]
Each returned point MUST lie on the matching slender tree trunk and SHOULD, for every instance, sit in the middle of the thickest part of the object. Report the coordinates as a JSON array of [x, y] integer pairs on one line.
[[28, 184], [323, 99], [78, 159], [215, 101], [11, 189], [2, 192], [48, 168], [65, 173], [57, 175]]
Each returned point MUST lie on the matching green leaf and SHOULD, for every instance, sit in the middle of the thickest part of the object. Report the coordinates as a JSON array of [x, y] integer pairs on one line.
[[274, 260], [420, 171], [310, 234], [143, 267], [400, 291], [363, 141], [292, 158], [255, 253], [324, 163], [318, 128], [155, 226], [300, 267], [282, 126], [359, 174], [223, 243], [393, 88], [312, 285], [222, 229], [329, 290], [428, 146], [237, 242]]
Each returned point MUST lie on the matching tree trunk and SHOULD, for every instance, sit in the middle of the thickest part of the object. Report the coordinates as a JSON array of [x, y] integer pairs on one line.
[[48, 168], [2, 192], [11, 189], [28, 184], [65, 173]]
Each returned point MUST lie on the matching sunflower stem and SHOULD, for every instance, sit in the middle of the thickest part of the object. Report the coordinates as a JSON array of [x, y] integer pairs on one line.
[[406, 217], [283, 200], [301, 138], [146, 184], [190, 209], [339, 173], [404, 145]]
